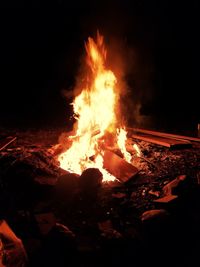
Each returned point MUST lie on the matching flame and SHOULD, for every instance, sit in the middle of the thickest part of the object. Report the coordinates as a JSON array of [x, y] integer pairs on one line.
[[121, 141], [138, 152], [95, 110]]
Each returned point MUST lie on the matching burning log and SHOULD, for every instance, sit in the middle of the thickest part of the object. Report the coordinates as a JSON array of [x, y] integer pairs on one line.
[[118, 167]]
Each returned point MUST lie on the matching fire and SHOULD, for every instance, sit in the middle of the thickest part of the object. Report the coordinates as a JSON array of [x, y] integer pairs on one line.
[[95, 110], [137, 150], [121, 141]]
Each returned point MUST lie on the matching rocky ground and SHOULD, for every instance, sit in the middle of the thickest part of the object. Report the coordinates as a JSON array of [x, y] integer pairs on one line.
[[67, 220]]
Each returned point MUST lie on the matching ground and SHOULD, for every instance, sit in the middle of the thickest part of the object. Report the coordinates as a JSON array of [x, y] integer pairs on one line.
[[62, 223]]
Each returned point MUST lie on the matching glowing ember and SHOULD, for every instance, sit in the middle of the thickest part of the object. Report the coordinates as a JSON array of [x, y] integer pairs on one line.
[[95, 110]]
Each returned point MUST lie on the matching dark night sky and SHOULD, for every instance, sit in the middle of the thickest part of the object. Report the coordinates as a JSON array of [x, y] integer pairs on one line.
[[41, 49]]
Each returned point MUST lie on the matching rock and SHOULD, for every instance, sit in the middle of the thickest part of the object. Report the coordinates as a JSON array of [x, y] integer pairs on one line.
[[154, 214], [45, 222], [66, 189], [46, 180], [57, 248], [107, 230], [13, 253], [90, 180]]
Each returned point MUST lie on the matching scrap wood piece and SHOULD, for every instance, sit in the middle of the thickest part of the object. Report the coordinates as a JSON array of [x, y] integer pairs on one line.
[[154, 214], [162, 134], [172, 187], [118, 167], [162, 141], [6, 141], [169, 201], [166, 199]]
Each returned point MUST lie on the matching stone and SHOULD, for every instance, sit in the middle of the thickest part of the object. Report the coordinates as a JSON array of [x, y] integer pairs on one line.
[[13, 253], [90, 179]]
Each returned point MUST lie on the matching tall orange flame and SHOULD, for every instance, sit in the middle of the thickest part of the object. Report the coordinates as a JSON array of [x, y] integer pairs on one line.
[[95, 111]]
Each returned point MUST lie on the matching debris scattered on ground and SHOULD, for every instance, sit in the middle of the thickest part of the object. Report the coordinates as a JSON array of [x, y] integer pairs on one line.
[[39, 197]]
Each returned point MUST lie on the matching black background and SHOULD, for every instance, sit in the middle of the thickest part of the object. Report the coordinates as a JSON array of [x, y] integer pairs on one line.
[[41, 48]]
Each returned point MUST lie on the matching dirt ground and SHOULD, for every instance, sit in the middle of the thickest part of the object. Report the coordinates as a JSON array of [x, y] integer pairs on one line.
[[111, 224]]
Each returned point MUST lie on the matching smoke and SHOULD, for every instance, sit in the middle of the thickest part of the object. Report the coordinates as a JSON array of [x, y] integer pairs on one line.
[[134, 70]]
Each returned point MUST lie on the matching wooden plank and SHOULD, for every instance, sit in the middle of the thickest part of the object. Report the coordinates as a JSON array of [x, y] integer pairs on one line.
[[118, 167], [166, 142], [6, 141], [151, 140], [162, 134]]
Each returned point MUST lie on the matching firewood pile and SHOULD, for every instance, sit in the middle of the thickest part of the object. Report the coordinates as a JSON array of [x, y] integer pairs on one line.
[[65, 219]]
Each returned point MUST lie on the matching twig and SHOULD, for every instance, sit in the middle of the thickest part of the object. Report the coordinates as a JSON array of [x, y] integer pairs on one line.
[[8, 143]]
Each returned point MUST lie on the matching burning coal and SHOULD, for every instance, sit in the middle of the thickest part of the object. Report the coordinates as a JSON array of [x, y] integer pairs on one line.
[[96, 111]]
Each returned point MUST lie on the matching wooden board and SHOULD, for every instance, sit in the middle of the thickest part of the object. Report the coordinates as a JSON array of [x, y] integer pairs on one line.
[[167, 135], [162, 141], [118, 167]]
